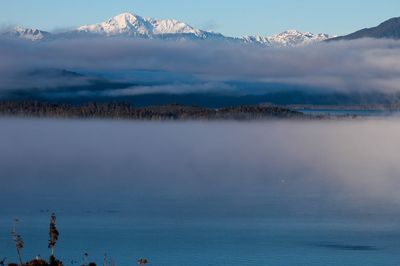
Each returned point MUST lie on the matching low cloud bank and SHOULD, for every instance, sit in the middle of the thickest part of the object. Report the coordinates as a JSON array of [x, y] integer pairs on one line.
[[354, 66], [341, 169]]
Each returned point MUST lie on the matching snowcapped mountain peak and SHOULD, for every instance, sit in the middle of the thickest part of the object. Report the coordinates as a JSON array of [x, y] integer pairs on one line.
[[291, 32], [125, 16], [288, 38], [124, 20], [132, 25], [25, 33], [129, 24], [296, 38], [122, 24]]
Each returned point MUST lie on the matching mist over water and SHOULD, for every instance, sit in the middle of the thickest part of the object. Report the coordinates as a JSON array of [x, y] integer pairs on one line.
[[244, 190], [223, 168]]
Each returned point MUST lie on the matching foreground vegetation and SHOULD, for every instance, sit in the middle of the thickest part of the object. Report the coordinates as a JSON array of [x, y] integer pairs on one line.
[[126, 111], [52, 261]]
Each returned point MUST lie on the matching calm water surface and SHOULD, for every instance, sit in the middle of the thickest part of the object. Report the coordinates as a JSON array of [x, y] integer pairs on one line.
[[282, 193], [363, 113], [166, 241]]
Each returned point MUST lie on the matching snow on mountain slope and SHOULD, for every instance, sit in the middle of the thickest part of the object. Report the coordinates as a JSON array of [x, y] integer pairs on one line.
[[128, 24], [170, 26], [25, 33], [257, 40], [289, 38], [296, 38], [131, 25], [123, 24]]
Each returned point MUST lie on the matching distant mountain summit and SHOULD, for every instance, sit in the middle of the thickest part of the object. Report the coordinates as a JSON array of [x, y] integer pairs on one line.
[[389, 29], [134, 26], [26, 33], [127, 24], [288, 38]]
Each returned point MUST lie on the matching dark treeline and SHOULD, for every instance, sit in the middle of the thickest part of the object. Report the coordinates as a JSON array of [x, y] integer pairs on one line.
[[127, 111]]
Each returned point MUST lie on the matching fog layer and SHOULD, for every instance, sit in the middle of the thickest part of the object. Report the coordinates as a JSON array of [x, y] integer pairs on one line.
[[193, 169], [352, 66]]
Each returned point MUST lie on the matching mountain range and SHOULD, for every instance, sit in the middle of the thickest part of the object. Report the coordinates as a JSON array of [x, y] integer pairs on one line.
[[157, 83], [131, 25]]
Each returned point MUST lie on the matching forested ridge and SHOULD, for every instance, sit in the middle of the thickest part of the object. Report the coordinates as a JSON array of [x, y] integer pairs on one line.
[[127, 111]]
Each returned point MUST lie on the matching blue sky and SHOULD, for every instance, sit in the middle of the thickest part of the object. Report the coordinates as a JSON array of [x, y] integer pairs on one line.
[[230, 17]]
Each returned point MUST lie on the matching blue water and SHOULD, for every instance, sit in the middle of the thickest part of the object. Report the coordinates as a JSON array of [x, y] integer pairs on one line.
[[195, 242], [362, 113], [276, 193]]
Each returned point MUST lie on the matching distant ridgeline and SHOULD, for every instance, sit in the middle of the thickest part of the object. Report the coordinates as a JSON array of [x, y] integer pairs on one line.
[[126, 111]]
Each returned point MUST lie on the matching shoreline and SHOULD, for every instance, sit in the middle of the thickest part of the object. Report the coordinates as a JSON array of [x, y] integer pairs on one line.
[[177, 112], [172, 112]]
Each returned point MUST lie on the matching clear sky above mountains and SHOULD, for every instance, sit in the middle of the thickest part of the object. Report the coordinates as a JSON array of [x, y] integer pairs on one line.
[[230, 17]]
